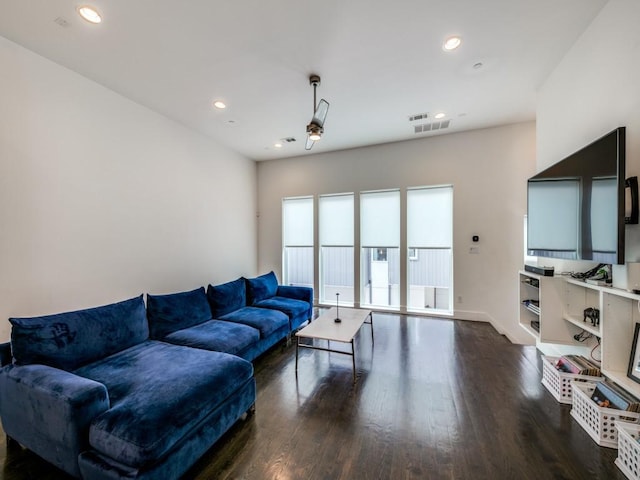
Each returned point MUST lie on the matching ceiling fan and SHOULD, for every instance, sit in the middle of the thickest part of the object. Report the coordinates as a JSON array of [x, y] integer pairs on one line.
[[315, 128]]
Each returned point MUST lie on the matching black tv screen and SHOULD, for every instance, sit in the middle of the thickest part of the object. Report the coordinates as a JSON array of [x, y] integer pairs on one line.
[[575, 208]]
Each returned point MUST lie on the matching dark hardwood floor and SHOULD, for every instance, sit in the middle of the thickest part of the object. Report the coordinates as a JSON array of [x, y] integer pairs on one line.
[[435, 399]]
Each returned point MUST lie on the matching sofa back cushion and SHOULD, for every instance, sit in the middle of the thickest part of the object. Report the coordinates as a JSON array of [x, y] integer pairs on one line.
[[227, 297], [72, 339], [262, 287], [175, 311]]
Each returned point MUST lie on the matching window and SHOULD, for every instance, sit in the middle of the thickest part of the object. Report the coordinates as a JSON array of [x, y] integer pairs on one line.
[[429, 243], [380, 248], [297, 235], [336, 237], [418, 280]]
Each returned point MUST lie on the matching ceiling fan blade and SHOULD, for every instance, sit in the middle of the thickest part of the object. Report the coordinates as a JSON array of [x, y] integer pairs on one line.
[[321, 113], [309, 144]]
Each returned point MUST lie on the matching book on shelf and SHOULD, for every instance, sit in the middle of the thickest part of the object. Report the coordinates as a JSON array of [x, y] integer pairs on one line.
[[577, 364], [609, 395], [533, 305]]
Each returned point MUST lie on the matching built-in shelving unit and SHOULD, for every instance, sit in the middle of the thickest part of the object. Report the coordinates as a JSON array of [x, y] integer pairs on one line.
[[546, 293], [529, 292], [562, 302]]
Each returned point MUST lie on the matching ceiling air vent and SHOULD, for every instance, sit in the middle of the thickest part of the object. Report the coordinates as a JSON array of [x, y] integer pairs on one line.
[[418, 116], [62, 22], [430, 127]]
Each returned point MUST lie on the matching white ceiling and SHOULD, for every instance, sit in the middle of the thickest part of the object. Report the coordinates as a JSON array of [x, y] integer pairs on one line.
[[380, 61]]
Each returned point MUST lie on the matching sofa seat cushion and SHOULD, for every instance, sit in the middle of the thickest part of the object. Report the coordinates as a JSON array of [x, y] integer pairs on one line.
[[267, 321], [175, 311], [72, 339], [216, 335], [159, 393], [290, 306]]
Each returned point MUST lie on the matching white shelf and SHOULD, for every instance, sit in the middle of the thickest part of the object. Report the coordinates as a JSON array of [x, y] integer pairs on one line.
[[530, 330], [582, 283], [625, 382], [580, 323], [605, 289]]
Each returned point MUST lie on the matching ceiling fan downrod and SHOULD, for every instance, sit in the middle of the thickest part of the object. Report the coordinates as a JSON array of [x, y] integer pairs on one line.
[[315, 81]]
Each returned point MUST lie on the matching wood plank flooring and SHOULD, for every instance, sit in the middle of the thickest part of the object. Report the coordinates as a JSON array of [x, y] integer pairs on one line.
[[434, 399]]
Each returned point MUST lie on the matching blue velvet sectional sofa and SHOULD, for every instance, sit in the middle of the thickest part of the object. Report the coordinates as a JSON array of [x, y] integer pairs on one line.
[[244, 317], [123, 391]]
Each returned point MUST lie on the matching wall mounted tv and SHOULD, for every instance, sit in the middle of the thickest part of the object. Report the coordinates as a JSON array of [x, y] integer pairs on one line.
[[576, 208]]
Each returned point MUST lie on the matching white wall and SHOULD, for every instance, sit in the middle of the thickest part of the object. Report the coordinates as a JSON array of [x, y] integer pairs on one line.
[[488, 169], [102, 199], [594, 89]]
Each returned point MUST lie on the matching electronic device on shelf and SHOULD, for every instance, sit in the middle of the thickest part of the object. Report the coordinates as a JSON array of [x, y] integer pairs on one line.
[[544, 271]]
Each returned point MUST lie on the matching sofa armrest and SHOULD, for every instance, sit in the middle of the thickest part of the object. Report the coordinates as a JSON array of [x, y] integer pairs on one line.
[[297, 293], [5, 354], [49, 411]]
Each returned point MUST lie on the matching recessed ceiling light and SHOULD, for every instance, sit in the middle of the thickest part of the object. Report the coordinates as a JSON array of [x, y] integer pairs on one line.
[[440, 115], [277, 145], [451, 43], [90, 14], [219, 104]]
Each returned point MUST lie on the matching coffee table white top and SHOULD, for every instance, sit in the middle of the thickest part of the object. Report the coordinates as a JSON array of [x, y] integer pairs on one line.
[[325, 328]]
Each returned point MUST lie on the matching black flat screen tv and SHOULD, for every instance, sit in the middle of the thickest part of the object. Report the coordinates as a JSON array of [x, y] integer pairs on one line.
[[576, 207]]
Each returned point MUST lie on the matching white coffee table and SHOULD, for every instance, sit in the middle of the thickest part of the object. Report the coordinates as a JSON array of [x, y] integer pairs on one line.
[[326, 328]]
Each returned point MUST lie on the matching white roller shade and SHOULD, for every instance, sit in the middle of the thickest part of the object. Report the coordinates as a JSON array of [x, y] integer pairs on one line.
[[380, 219], [336, 220], [430, 217], [297, 222]]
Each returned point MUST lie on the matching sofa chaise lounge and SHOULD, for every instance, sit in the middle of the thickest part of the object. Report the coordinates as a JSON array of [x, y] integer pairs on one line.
[[124, 391], [91, 393]]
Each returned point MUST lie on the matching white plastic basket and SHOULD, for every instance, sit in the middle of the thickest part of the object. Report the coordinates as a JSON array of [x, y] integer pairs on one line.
[[559, 383], [629, 450], [599, 422]]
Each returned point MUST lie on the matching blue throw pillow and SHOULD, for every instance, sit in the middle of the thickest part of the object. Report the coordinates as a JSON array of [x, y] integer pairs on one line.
[[175, 311], [262, 287], [70, 340], [227, 297]]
